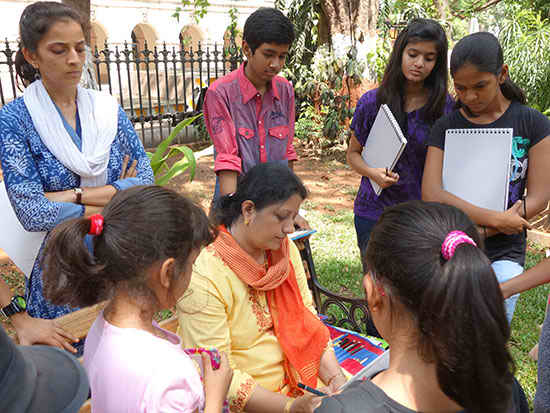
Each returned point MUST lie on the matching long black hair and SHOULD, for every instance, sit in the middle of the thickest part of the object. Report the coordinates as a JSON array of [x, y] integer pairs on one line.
[[456, 305], [483, 51], [36, 20], [392, 89], [265, 184], [143, 226]]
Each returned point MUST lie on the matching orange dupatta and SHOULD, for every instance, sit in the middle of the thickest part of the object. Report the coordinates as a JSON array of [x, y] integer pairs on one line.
[[302, 336]]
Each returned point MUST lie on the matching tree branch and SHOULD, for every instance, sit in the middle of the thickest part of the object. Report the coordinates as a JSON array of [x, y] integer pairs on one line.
[[463, 14], [490, 4]]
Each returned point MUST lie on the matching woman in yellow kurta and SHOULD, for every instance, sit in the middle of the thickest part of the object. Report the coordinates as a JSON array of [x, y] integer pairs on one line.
[[251, 300]]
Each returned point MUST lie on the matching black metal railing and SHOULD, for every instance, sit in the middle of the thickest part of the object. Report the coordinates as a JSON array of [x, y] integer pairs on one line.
[[157, 87]]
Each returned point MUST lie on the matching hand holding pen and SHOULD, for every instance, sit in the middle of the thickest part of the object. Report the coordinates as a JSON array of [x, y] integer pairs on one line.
[[306, 403], [312, 390], [383, 177]]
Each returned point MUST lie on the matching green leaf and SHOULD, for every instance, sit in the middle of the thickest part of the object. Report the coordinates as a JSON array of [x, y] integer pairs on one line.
[[178, 168], [163, 146], [189, 155]]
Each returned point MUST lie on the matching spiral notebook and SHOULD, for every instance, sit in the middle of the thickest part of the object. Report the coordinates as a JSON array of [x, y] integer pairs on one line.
[[385, 143], [476, 166]]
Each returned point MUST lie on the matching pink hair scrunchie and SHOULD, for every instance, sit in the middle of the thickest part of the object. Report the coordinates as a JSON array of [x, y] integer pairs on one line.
[[452, 241]]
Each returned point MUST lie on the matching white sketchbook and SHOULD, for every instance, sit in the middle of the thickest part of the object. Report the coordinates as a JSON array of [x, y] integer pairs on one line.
[[20, 245], [476, 166], [385, 143]]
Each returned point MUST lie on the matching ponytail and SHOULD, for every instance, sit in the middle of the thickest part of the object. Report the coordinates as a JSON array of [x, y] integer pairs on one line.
[[24, 71], [455, 302], [36, 20], [484, 52], [72, 275], [461, 318], [141, 226], [513, 92]]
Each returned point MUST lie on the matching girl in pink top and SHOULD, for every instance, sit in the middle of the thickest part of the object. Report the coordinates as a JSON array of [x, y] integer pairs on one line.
[[144, 244]]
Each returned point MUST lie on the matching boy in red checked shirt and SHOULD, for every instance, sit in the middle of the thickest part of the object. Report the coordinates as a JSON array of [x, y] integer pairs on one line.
[[250, 113]]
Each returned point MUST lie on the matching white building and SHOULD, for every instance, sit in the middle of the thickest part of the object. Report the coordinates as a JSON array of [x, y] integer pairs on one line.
[[115, 20], [143, 89]]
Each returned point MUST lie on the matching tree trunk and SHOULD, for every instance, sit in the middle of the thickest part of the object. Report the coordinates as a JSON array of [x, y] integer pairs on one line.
[[361, 18], [83, 7], [350, 22], [441, 6]]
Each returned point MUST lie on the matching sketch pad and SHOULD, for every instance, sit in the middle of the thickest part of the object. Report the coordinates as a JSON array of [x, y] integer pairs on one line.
[[20, 245], [385, 143], [476, 166]]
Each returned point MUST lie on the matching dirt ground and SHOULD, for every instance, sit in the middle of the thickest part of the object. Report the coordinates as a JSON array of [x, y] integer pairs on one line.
[[332, 185]]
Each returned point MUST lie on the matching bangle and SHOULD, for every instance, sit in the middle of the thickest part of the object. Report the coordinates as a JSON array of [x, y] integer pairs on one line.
[[525, 208], [288, 405]]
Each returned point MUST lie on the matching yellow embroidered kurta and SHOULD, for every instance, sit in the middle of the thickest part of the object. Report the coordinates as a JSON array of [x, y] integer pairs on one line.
[[219, 310]]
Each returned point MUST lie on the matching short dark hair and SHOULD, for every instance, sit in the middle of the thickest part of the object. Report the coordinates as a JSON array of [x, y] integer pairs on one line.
[[267, 25], [483, 51], [36, 19], [456, 305], [265, 184], [392, 88], [143, 225]]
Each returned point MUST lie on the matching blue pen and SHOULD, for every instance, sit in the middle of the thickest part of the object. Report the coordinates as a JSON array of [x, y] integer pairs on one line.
[[311, 390]]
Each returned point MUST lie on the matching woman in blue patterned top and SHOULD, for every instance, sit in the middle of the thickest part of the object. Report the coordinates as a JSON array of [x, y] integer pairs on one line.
[[65, 150], [415, 89]]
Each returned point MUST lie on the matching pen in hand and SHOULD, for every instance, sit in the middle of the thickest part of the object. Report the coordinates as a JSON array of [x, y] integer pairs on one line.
[[312, 390]]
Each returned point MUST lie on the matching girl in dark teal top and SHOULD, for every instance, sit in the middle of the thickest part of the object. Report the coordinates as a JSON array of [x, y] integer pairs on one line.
[[488, 98], [434, 298]]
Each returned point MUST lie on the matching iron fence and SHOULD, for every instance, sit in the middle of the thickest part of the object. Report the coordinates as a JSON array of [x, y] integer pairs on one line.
[[157, 87]]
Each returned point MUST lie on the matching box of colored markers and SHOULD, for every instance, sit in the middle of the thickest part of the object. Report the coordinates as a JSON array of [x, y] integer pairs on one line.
[[360, 356]]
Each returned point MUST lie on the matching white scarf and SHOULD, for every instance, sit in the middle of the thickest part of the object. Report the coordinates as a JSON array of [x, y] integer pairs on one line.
[[98, 114]]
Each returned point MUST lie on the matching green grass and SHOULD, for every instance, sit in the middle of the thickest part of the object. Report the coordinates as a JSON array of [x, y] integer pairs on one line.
[[529, 314], [338, 266], [335, 252]]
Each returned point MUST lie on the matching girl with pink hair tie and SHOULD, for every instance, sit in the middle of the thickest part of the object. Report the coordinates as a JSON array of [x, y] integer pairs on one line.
[[434, 298]]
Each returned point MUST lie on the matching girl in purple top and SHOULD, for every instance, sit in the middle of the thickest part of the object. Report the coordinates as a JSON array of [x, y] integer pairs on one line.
[[415, 89]]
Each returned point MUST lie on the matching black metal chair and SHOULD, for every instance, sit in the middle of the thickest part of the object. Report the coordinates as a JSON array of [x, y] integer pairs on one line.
[[345, 312]]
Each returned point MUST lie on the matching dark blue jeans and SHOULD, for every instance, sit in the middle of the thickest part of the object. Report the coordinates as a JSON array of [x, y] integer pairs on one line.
[[363, 228]]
